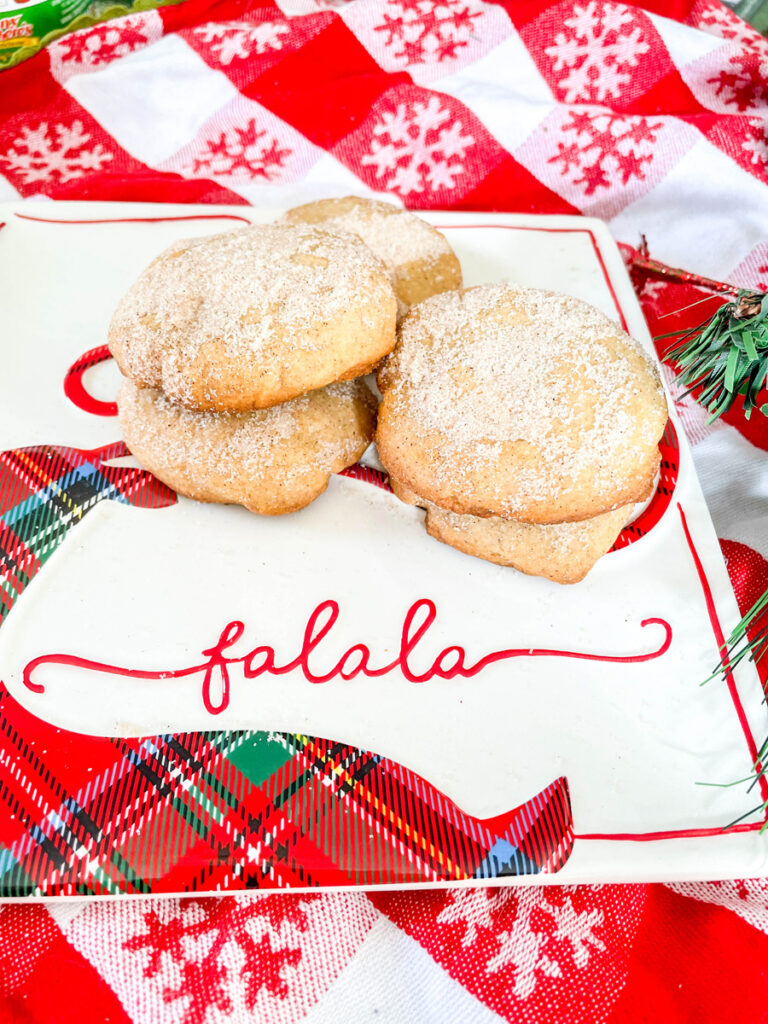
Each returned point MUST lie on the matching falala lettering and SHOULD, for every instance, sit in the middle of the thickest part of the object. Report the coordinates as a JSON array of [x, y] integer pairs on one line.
[[216, 671]]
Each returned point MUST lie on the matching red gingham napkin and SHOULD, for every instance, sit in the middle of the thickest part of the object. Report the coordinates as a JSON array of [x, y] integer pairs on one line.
[[653, 117]]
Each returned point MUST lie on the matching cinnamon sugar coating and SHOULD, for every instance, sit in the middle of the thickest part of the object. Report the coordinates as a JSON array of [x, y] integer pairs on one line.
[[418, 257], [269, 460], [250, 318], [520, 404]]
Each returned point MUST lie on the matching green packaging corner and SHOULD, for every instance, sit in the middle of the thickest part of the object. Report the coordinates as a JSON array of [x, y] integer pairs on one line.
[[47, 21]]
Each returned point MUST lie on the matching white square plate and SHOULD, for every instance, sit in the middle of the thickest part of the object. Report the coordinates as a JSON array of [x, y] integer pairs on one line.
[[530, 765]]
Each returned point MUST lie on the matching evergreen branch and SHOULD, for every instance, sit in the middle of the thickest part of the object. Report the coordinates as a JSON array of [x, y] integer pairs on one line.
[[726, 356], [748, 639]]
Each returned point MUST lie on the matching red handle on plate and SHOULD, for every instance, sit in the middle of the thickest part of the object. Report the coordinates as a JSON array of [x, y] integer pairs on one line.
[[75, 390]]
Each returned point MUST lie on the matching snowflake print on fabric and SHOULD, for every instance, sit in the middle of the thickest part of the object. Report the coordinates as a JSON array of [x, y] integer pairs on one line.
[[743, 84], [715, 18], [756, 144], [245, 146], [431, 39], [104, 43], [596, 53], [472, 910], [603, 148], [747, 898], [545, 932], [247, 153], [221, 960], [207, 944], [578, 928], [523, 951], [236, 40], [53, 153], [418, 147], [422, 31], [92, 48], [731, 78]]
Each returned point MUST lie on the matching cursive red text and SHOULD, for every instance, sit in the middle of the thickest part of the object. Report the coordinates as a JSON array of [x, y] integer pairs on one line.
[[214, 673]]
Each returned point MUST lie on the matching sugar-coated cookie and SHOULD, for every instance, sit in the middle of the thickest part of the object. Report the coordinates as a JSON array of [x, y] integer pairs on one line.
[[253, 317], [519, 403], [418, 257], [562, 552], [270, 460]]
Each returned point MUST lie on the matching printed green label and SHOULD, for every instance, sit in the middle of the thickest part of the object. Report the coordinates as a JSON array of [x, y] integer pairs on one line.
[[25, 27]]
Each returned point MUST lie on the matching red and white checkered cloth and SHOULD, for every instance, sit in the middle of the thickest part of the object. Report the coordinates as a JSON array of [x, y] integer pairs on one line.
[[654, 117]]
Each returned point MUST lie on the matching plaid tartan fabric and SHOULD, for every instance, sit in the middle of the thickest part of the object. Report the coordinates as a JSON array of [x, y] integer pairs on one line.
[[213, 810], [46, 490], [235, 810]]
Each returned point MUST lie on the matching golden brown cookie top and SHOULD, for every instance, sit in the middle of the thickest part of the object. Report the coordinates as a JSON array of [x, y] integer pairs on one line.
[[515, 402], [417, 255], [252, 317]]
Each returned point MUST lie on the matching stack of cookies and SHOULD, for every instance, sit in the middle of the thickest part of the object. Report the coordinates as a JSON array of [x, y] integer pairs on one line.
[[243, 352], [526, 424]]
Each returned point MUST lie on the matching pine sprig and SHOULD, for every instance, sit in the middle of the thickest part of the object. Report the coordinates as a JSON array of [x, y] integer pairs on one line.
[[727, 355], [748, 639], [759, 771]]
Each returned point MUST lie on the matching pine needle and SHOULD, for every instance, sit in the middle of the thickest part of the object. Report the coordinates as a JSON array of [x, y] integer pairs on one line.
[[748, 639], [726, 356]]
